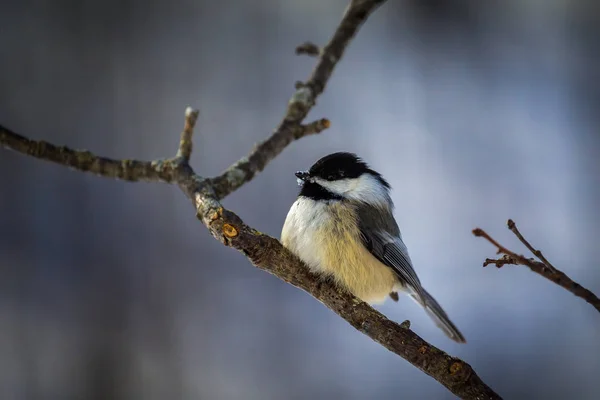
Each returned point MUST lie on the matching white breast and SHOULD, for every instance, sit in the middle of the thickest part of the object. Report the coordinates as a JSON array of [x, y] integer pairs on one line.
[[300, 229], [326, 237]]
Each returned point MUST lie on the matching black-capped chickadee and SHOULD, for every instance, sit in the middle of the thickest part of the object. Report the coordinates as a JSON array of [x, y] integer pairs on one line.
[[342, 225]]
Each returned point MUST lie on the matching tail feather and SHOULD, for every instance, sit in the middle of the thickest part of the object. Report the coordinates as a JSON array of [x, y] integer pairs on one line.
[[439, 316]]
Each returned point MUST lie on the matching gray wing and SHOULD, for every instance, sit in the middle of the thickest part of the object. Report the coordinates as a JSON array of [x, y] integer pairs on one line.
[[381, 236], [393, 253]]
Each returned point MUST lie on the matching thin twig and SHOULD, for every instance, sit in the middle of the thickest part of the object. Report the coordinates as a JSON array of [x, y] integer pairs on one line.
[[185, 143], [513, 227], [544, 269], [263, 251], [314, 127]]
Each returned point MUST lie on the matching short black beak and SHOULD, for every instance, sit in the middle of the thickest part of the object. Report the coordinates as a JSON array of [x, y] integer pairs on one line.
[[302, 175]]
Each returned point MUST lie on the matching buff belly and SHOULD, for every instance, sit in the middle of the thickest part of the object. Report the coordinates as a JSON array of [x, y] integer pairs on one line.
[[325, 236]]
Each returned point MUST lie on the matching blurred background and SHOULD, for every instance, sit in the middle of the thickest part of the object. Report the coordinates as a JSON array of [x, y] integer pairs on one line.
[[475, 112]]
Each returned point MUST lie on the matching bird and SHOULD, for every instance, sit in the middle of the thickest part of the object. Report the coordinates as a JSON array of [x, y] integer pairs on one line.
[[342, 226]]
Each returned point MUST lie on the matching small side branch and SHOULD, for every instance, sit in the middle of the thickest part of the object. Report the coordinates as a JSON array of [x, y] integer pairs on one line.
[[542, 267], [309, 49], [185, 143], [513, 227]]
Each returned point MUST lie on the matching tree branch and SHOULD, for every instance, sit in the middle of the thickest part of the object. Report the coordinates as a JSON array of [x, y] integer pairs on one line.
[[543, 268], [268, 254], [85, 161], [299, 105], [263, 251]]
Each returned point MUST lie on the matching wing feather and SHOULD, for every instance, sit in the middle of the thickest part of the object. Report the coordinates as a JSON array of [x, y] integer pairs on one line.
[[392, 252], [381, 236]]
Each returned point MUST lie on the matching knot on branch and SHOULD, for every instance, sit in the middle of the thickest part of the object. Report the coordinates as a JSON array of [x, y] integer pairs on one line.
[[229, 231], [455, 367]]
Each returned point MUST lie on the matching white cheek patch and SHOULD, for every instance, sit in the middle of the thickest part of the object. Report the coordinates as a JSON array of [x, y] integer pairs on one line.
[[340, 187], [365, 188]]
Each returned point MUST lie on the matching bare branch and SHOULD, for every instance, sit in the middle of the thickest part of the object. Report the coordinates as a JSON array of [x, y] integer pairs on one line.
[[513, 227], [161, 170], [86, 161], [299, 105], [543, 268], [263, 251]]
